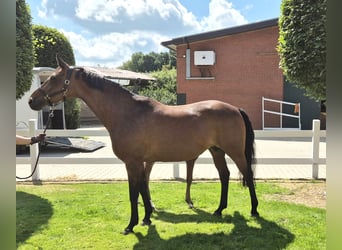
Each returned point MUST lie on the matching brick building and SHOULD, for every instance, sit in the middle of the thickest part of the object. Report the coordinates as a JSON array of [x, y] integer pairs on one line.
[[238, 65]]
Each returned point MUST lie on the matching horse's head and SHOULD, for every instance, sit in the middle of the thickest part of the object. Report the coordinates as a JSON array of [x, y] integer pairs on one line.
[[55, 89]]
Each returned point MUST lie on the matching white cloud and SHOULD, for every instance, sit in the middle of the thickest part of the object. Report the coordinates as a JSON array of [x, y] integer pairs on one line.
[[222, 15], [42, 10], [114, 10], [164, 16], [112, 49], [108, 32]]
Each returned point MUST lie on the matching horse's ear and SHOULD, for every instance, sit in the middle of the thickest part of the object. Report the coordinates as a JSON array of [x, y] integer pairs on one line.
[[60, 62]]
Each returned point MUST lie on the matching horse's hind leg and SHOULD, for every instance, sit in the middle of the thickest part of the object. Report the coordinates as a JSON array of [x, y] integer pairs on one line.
[[221, 165], [189, 170], [148, 168], [248, 180]]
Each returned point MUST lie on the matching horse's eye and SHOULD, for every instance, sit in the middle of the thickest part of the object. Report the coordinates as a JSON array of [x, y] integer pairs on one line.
[[52, 78]]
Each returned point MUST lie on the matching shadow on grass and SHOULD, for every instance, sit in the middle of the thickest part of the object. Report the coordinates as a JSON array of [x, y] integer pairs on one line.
[[263, 235], [32, 213], [200, 216]]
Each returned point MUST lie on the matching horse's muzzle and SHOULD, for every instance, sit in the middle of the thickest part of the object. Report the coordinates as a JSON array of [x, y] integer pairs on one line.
[[37, 103]]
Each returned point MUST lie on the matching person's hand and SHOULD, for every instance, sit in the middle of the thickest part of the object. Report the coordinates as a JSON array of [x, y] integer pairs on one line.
[[38, 138]]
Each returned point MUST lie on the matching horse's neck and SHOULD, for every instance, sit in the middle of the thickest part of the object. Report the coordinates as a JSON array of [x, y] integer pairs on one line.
[[108, 104]]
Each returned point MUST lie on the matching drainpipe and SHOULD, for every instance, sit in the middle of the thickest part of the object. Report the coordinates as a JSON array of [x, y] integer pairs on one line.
[[187, 60]]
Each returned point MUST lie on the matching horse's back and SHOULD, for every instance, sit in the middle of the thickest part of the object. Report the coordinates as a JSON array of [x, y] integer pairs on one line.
[[204, 115], [198, 108]]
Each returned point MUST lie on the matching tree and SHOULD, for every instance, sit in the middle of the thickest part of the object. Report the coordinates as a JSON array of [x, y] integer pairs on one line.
[[24, 49], [47, 43], [163, 89], [150, 62], [302, 45]]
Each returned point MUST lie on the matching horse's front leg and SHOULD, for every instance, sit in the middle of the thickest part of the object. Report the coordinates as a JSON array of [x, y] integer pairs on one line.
[[133, 197], [148, 169], [137, 184], [145, 194], [189, 171]]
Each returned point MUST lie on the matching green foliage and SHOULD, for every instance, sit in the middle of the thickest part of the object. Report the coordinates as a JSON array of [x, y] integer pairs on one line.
[[93, 215], [72, 110], [47, 43], [163, 89], [150, 62], [302, 45], [24, 49], [162, 66]]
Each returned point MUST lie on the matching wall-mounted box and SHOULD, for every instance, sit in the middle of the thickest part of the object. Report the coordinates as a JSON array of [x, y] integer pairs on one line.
[[204, 58]]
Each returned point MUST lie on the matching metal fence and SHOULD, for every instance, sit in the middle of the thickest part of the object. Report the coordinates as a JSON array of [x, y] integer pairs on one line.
[[280, 113]]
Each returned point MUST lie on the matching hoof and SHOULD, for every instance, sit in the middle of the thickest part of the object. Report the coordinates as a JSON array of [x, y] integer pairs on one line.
[[127, 231], [146, 222], [256, 214], [217, 213], [189, 202]]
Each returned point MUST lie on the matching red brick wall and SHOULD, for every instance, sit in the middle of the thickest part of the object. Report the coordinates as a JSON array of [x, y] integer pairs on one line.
[[246, 68]]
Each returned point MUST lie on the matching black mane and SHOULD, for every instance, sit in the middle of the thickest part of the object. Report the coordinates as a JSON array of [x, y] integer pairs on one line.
[[95, 80]]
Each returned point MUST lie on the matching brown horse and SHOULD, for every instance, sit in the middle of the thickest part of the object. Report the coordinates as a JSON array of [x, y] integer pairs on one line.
[[144, 131]]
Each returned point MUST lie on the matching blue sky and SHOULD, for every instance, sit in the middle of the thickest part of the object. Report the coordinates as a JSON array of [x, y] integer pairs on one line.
[[108, 32]]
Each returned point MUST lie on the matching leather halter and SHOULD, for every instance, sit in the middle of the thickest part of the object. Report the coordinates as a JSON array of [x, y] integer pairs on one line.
[[63, 91]]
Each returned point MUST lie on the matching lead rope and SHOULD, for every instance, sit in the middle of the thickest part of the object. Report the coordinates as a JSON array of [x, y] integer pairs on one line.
[[39, 148]]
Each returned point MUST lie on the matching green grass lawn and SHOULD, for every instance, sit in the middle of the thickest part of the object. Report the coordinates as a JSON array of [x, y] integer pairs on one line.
[[92, 216]]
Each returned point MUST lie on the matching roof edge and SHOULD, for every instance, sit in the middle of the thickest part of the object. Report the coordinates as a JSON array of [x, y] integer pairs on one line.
[[172, 44]]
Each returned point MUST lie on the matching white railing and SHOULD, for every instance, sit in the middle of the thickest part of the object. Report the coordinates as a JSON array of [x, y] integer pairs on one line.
[[315, 134], [280, 113]]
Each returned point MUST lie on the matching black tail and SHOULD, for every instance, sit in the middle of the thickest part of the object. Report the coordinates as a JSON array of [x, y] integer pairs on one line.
[[249, 148]]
